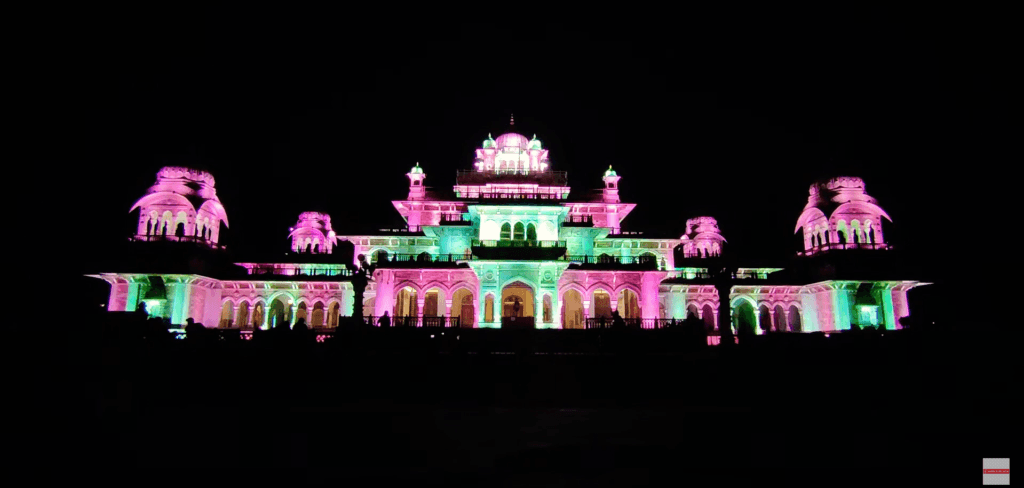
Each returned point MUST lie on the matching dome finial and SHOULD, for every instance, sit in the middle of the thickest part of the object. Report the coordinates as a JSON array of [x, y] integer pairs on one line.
[[512, 120]]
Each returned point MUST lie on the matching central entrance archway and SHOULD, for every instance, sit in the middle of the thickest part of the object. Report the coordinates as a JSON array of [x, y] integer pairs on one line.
[[517, 306]]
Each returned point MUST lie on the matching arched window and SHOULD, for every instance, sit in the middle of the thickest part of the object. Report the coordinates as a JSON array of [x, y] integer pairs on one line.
[[531, 232], [506, 231], [842, 232], [489, 308], [794, 319], [518, 232]]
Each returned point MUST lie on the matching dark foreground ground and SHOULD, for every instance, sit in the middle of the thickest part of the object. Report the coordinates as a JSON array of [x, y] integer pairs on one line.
[[903, 408]]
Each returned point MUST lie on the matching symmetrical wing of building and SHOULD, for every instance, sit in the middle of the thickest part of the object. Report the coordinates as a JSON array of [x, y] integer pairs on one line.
[[509, 245]]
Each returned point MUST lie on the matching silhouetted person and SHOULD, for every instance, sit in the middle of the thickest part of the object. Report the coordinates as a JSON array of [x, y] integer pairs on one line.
[[194, 330], [515, 308], [164, 231], [141, 310], [617, 321], [156, 330], [300, 331], [384, 320]]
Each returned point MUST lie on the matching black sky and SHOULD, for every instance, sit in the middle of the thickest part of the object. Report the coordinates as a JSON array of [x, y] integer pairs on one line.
[[313, 113]]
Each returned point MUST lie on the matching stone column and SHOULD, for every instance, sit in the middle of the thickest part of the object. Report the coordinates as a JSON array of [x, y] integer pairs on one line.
[[900, 307], [556, 319], [447, 308], [538, 309], [234, 317], [419, 307]]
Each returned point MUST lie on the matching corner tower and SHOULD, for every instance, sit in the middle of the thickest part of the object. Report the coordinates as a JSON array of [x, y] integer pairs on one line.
[[840, 215], [181, 206]]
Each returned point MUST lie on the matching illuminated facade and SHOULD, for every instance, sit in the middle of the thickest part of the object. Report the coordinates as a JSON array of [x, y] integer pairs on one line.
[[510, 247]]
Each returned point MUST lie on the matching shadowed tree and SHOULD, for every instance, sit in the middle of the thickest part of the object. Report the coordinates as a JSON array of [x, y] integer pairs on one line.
[[721, 276], [360, 278]]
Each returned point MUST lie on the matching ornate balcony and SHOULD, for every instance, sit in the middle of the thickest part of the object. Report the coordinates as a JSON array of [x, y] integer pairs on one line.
[[175, 238], [605, 261], [848, 245], [456, 219], [544, 178], [518, 249], [578, 221], [423, 260]]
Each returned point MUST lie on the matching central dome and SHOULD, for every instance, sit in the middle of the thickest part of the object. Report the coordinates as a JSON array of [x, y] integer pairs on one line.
[[511, 139]]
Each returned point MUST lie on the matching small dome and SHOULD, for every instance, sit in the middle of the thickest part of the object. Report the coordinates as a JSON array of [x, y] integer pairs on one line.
[[535, 143], [417, 169], [610, 172], [489, 142], [512, 139]]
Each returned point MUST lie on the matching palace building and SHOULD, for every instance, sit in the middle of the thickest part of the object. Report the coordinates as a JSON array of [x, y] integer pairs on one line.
[[510, 246]]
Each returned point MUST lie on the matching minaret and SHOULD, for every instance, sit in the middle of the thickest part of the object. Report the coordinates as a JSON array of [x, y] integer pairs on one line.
[[416, 176], [611, 186]]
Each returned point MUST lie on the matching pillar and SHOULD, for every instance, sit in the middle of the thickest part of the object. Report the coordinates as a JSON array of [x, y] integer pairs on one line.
[[538, 309], [899, 305], [648, 299], [177, 298], [385, 298], [448, 307], [888, 316], [234, 316], [842, 301], [420, 300], [809, 318], [481, 310]]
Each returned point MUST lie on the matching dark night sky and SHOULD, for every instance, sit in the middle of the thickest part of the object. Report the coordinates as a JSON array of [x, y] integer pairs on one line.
[[294, 114]]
